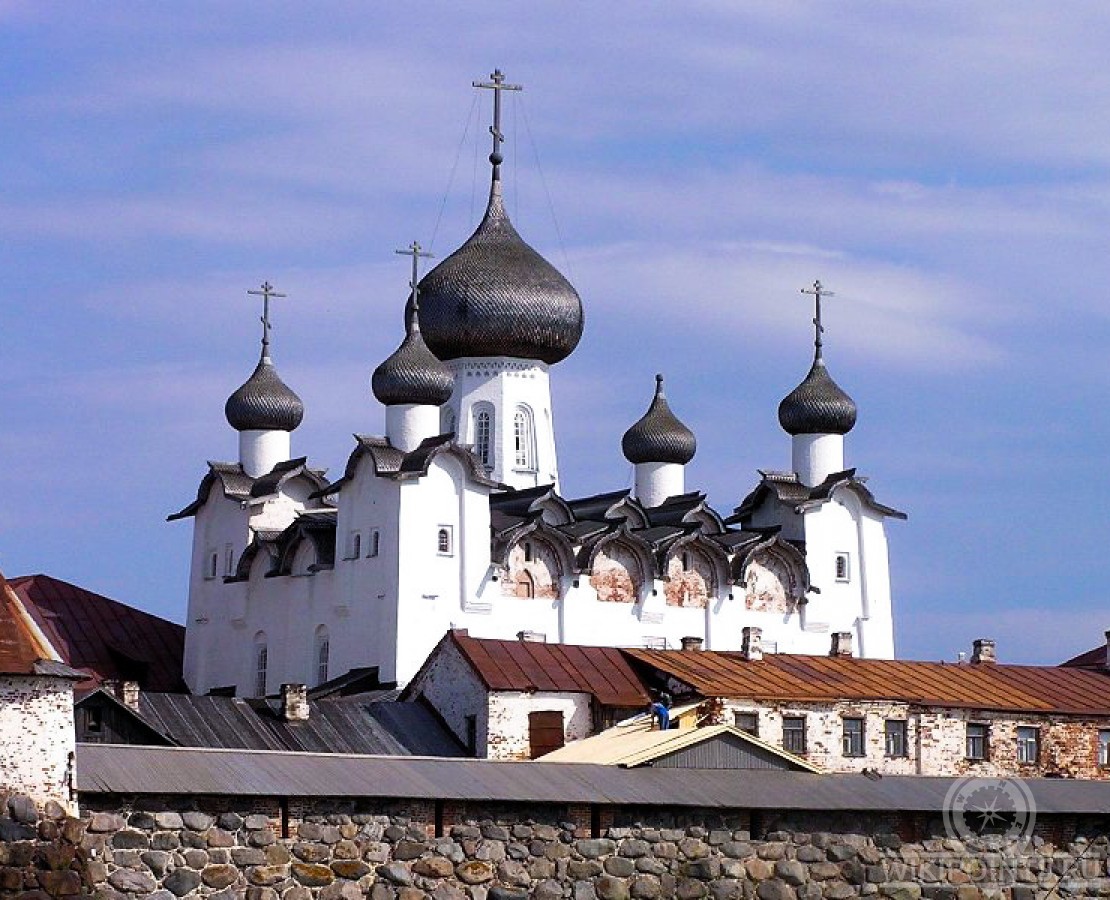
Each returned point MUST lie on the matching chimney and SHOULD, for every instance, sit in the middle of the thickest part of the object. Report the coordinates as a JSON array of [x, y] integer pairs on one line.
[[294, 703], [691, 643], [532, 637], [841, 644], [982, 652], [129, 694], [751, 643]]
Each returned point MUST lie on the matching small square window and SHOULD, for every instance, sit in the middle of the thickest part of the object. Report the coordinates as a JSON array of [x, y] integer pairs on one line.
[[794, 734], [895, 734], [1104, 748], [1028, 744], [444, 543], [853, 736], [747, 721], [976, 740], [843, 567]]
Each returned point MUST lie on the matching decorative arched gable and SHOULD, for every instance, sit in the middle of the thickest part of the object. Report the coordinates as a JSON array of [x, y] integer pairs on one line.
[[774, 576], [536, 561], [619, 566], [694, 570]]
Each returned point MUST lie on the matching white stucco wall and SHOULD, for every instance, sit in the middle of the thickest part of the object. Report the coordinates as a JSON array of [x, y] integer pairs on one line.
[[37, 737]]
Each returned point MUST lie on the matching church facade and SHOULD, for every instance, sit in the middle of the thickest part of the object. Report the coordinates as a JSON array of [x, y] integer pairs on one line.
[[456, 517]]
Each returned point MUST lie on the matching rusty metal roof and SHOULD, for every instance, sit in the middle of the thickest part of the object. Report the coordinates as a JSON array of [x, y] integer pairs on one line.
[[102, 637], [116, 769], [801, 678], [21, 649], [515, 665], [1095, 658]]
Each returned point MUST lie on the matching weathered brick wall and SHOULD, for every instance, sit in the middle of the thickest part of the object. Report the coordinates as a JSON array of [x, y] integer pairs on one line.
[[935, 739], [162, 848], [36, 736]]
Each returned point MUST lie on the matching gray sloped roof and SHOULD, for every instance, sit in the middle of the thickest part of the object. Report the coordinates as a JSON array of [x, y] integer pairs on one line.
[[116, 769]]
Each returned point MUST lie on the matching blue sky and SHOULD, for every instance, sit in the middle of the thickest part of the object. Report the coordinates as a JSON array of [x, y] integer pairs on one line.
[[944, 167]]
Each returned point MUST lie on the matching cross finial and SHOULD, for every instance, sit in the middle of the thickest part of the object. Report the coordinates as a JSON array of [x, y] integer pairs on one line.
[[497, 84], [817, 292], [416, 252], [266, 291]]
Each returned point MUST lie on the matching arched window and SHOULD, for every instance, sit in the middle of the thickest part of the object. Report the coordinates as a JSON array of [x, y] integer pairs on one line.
[[323, 648], [483, 429], [261, 661], [443, 541], [524, 439]]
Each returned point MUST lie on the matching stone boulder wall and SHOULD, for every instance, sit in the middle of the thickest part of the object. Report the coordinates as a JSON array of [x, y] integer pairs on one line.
[[167, 853]]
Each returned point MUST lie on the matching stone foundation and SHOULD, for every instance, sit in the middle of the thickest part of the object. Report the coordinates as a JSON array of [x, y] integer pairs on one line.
[[232, 849]]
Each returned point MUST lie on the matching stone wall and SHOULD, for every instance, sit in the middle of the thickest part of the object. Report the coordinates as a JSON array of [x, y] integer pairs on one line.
[[342, 850]]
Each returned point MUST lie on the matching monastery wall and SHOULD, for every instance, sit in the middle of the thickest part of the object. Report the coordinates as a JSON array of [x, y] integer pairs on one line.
[[36, 736], [239, 849]]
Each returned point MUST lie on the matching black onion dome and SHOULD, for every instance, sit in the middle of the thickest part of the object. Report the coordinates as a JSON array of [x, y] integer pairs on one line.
[[817, 405], [496, 296], [264, 402], [412, 374], [659, 436]]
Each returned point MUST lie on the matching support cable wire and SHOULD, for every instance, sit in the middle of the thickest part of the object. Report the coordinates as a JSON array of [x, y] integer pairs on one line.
[[451, 177], [547, 192]]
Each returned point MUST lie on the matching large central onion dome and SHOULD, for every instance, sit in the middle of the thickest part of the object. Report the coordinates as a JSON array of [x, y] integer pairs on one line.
[[496, 296], [411, 374], [264, 402], [659, 437], [817, 405]]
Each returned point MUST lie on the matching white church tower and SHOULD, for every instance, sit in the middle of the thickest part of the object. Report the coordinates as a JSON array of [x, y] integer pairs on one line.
[[500, 316]]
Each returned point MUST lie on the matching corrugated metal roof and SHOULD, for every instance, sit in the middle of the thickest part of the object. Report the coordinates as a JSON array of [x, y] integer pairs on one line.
[[114, 769], [102, 637], [638, 742], [1050, 689], [505, 665]]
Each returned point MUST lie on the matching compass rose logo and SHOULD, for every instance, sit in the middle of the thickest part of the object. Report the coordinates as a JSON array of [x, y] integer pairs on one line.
[[989, 807]]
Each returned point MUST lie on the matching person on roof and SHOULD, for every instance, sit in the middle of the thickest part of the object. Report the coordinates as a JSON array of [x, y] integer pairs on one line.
[[660, 710]]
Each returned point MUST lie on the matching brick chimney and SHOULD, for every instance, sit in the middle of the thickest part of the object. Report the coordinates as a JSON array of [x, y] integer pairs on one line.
[[126, 692], [751, 642], [294, 703], [841, 644], [982, 652], [691, 643]]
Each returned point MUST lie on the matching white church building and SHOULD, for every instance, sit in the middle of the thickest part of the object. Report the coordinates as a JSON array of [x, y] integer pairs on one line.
[[456, 517]]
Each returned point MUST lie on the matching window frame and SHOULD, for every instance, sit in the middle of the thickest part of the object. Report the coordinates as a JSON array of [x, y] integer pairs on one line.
[[374, 545], [261, 668], [853, 733], [1103, 748], [845, 558], [1031, 737], [795, 727], [211, 563], [445, 540], [322, 657], [751, 716], [971, 740], [483, 435], [524, 439], [899, 734]]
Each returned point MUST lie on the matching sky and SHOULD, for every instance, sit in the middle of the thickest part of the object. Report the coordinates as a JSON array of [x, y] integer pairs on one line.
[[944, 168]]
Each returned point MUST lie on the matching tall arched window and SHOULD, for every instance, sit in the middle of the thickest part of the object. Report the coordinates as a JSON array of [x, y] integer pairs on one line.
[[261, 661], [524, 439], [483, 429], [323, 649]]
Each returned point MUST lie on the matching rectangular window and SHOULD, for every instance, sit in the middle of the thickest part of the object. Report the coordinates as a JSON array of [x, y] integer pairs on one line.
[[472, 734], [852, 737], [843, 567], [211, 563], [976, 740], [1028, 744], [444, 543], [747, 721], [229, 559], [1104, 747], [260, 661], [545, 732], [375, 543], [895, 731], [354, 545], [794, 734]]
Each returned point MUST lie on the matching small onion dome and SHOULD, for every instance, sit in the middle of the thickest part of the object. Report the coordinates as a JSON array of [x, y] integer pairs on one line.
[[659, 436], [411, 374], [817, 405], [496, 296], [264, 402]]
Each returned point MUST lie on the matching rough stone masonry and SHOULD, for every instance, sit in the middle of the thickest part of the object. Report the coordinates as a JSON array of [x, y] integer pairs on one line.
[[166, 850]]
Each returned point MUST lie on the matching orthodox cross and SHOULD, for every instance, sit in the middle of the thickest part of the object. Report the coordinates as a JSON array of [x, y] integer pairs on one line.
[[817, 292], [416, 252], [266, 291], [497, 85]]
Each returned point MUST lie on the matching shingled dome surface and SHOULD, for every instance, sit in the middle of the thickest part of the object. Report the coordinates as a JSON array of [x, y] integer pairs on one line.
[[412, 374], [659, 436], [264, 402], [496, 296], [817, 405]]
